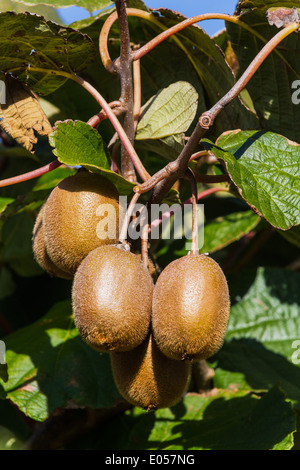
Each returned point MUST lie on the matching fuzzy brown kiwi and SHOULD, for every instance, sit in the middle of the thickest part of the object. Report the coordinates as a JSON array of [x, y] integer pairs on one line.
[[190, 308], [112, 299], [71, 224], [148, 379], [40, 252]]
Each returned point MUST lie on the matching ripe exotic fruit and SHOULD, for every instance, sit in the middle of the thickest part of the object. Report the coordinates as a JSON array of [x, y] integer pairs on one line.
[[39, 249], [190, 308], [112, 298], [148, 379], [81, 213]]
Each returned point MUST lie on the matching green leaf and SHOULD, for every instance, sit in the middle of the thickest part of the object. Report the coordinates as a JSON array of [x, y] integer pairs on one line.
[[226, 420], [4, 201], [9, 440], [7, 285], [89, 5], [262, 341], [78, 144], [3, 372], [16, 246], [51, 179], [168, 147], [50, 366], [29, 42], [271, 86], [225, 230], [292, 235], [265, 168], [170, 111]]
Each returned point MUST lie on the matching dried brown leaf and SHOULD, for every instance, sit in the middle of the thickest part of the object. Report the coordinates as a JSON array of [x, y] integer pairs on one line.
[[22, 115], [280, 17]]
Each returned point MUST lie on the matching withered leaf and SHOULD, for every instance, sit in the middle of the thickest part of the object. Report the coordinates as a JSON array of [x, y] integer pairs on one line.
[[280, 17], [22, 114]]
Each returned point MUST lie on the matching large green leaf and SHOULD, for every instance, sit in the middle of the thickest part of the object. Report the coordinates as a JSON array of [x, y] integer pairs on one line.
[[225, 230], [271, 86], [226, 420], [29, 42], [50, 366], [265, 168], [78, 144], [170, 111], [262, 341]]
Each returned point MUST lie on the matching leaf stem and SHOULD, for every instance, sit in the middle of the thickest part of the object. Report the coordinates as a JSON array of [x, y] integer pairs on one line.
[[117, 125], [195, 241], [112, 66], [30, 175], [124, 228]]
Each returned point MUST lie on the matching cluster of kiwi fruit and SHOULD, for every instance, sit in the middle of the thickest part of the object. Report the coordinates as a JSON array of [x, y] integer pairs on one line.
[[152, 327]]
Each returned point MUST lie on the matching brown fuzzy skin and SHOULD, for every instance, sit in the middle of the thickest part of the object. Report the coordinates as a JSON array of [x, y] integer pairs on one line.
[[40, 252], [191, 308], [70, 220], [148, 379], [112, 298]]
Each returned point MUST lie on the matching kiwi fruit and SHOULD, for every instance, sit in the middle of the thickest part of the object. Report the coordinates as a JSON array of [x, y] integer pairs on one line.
[[112, 299], [39, 249], [190, 308], [70, 220], [148, 379]]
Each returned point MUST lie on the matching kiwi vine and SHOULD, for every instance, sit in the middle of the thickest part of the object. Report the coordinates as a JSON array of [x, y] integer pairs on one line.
[[159, 326]]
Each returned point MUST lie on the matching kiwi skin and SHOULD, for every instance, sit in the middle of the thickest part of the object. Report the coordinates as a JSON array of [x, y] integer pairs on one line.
[[191, 308], [148, 379], [112, 299], [39, 249], [70, 218]]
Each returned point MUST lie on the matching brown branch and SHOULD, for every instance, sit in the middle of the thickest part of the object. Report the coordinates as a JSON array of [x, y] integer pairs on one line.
[[30, 175], [125, 73]]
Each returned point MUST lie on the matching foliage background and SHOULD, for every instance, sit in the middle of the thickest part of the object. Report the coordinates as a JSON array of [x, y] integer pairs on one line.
[[60, 394]]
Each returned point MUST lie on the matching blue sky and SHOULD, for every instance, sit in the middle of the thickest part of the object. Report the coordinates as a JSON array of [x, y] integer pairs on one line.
[[187, 7]]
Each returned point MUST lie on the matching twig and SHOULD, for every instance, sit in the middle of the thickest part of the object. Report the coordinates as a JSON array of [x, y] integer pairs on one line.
[[117, 108], [207, 118], [30, 175], [137, 92], [166, 215], [163, 184], [112, 66], [116, 124], [125, 73]]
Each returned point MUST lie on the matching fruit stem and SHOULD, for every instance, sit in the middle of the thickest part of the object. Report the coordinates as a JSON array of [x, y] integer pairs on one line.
[[30, 175], [144, 245], [195, 241], [203, 194], [124, 228]]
